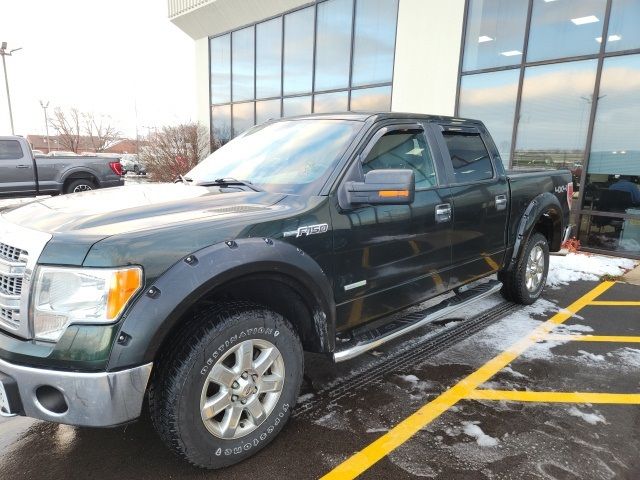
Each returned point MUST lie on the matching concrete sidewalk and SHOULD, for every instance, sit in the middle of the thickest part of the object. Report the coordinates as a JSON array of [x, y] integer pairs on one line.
[[633, 276]]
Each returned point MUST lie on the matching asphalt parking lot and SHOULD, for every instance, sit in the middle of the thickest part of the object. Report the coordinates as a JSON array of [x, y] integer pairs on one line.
[[549, 391]]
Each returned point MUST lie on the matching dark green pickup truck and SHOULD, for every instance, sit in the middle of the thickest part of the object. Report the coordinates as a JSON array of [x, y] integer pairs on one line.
[[304, 234]]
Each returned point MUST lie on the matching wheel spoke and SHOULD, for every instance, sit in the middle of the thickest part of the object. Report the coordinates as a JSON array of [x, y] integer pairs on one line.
[[265, 360], [230, 422], [222, 375], [215, 405], [244, 356], [256, 410], [271, 383]]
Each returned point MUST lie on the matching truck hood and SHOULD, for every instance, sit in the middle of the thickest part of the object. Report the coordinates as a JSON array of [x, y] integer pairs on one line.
[[112, 211]]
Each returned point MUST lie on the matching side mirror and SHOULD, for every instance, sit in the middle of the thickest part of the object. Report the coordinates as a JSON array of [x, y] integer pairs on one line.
[[383, 187]]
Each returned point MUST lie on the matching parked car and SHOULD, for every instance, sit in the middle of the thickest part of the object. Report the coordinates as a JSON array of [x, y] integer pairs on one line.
[[23, 174], [309, 233], [131, 163]]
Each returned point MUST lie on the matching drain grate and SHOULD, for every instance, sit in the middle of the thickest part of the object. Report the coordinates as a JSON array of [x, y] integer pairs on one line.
[[428, 347]]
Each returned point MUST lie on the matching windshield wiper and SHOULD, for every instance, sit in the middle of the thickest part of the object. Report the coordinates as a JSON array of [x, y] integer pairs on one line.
[[230, 182], [185, 180]]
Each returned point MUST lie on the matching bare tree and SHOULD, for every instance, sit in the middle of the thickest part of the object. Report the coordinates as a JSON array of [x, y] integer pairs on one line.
[[101, 133], [174, 150], [67, 126]]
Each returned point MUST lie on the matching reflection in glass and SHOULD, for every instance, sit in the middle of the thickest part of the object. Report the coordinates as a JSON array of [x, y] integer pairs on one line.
[[298, 51], [495, 33], [609, 233], [624, 33], [554, 116], [242, 64], [242, 117], [331, 102], [221, 124], [371, 99], [613, 177], [268, 58], [291, 157], [266, 110], [491, 98], [469, 157], [333, 44], [565, 28], [296, 106], [221, 69], [374, 42]]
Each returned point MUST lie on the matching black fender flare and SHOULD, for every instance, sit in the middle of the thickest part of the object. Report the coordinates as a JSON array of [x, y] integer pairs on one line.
[[162, 305], [540, 205]]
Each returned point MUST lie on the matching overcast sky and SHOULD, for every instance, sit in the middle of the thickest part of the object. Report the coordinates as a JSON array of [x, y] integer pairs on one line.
[[102, 56]]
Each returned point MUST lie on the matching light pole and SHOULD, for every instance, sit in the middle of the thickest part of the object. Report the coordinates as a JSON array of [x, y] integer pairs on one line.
[[46, 122], [4, 53]]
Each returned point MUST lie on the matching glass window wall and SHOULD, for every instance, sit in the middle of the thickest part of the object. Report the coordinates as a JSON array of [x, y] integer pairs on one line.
[[269, 58]]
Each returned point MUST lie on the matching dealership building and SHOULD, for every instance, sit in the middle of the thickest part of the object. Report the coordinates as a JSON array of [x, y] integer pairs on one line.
[[557, 82]]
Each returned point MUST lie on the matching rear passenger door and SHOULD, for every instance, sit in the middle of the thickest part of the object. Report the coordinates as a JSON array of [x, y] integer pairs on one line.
[[480, 197], [17, 177]]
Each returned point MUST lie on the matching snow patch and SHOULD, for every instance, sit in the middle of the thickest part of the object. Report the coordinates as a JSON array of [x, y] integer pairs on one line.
[[305, 397], [409, 378], [580, 266], [591, 356], [513, 373], [590, 418], [473, 430]]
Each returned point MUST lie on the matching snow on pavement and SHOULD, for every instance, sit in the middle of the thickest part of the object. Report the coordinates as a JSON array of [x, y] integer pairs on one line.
[[582, 266]]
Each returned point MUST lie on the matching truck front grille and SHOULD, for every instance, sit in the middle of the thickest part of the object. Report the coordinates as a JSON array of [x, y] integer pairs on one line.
[[13, 262]]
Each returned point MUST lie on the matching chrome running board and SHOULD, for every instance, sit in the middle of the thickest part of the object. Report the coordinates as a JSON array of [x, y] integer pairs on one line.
[[370, 339]]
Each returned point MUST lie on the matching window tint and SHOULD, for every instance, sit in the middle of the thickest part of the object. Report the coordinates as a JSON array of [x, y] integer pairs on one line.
[[469, 155], [333, 44], [242, 66], [10, 150], [402, 150], [495, 33], [268, 58], [221, 69], [565, 29]]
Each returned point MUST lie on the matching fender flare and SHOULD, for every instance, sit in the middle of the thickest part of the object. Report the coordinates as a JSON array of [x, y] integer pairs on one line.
[[162, 305], [73, 170], [540, 205]]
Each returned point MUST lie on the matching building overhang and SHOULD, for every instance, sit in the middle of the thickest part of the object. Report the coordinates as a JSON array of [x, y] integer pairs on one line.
[[205, 18]]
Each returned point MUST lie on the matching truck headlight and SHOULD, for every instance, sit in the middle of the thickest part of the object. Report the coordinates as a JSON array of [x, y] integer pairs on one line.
[[63, 296]]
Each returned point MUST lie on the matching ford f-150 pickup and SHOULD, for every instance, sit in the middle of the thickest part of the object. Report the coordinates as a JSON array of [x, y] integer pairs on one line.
[[304, 234], [24, 175]]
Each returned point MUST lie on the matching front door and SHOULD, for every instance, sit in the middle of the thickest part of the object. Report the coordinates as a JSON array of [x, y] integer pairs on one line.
[[392, 256], [17, 176]]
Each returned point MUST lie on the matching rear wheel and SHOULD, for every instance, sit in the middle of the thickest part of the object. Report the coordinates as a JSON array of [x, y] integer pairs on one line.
[[525, 282], [226, 387], [80, 185]]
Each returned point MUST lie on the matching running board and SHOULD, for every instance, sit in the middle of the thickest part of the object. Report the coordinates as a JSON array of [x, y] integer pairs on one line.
[[365, 339]]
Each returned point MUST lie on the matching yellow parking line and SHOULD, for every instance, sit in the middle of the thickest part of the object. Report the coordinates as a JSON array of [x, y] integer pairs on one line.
[[371, 454], [615, 304], [591, 338], [556, 397]]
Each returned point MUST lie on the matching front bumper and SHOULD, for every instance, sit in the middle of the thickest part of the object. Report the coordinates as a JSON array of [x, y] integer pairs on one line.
[[101, 399]]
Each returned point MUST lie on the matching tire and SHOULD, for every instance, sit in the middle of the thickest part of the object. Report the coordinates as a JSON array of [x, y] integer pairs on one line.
[[183, 382], [519, 286], [136, 169], [80, 185]]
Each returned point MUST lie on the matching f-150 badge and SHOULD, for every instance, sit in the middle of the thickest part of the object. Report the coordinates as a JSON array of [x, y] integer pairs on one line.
[[308, 230]]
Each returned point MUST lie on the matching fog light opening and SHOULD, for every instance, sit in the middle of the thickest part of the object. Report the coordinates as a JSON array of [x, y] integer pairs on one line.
[[51, 399]]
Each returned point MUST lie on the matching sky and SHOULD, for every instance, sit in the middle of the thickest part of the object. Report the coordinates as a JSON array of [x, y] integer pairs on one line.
[[108, 57]]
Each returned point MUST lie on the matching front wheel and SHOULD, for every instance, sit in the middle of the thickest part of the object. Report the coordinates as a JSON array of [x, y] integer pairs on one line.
[[525, 282], [228, 385]]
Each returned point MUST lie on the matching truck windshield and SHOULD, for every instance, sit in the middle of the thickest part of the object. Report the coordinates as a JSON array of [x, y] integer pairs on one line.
[[290, 156]]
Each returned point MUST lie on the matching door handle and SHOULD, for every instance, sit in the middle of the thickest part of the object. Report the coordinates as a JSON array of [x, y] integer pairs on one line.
[[23, 166], [501, 202], [443, 213]]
